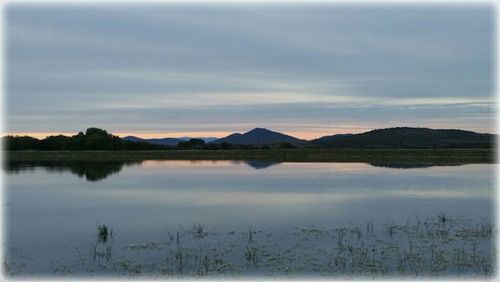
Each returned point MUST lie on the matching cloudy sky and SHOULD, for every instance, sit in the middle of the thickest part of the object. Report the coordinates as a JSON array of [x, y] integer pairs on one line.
[[306, 70]]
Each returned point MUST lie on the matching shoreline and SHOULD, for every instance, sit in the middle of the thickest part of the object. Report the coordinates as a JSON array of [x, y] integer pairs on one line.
[[450, 156]]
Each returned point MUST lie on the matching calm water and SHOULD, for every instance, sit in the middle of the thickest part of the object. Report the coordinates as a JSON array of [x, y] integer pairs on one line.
[[52, 208]]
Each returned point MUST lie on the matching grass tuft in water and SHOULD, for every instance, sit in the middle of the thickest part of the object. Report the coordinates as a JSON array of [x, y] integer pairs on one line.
[[251, 255], [199, 231], [104, 232]]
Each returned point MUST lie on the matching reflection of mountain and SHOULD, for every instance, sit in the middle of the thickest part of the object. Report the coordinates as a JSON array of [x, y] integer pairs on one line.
[[91, 170], [261, 164], [412, 165]]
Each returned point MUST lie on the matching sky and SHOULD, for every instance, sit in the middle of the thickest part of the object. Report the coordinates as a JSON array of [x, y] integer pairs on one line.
[[309, 70]]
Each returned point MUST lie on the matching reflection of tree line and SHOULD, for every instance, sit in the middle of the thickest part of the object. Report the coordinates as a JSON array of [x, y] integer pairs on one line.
[[412, 165], [99, 170], [92, 171]]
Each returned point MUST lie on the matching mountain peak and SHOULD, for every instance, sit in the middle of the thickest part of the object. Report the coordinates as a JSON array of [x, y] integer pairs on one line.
[[258, 136], [259, 129]]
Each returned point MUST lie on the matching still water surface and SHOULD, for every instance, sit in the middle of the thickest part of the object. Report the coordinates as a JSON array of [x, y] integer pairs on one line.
[[51, 209]]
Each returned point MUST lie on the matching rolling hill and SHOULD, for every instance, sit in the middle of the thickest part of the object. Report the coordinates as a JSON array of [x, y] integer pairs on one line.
[[258, 136], [388, 138], [408, 138]]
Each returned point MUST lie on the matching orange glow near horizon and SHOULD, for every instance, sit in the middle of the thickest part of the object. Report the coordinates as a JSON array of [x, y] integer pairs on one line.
[[313, 133], [307, 135], [217, 134]]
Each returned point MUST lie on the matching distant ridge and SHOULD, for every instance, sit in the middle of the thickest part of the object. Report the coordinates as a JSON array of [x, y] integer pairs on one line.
[[396, 137], [206, 139], [409, 138], [261, 138], [168, 141], [258, 136], [157, 141]]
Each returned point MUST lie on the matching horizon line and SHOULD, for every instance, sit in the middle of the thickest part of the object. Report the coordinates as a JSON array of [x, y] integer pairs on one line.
[[305, 135]]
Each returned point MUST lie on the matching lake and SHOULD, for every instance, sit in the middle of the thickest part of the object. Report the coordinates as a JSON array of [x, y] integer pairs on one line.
[[249, 218]]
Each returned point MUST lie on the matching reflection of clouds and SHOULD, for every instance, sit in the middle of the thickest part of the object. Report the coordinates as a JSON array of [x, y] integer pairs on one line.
[[226, 194], [293, 181], [230, 183], [297, 186], [317, 166], [197, 198], [295, 178], [186, 163], [189, 169], [182, 197], [287, 166]]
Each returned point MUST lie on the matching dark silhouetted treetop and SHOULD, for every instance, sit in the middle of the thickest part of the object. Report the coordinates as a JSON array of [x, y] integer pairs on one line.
[[193, 143], [259, 138], [92, 139]]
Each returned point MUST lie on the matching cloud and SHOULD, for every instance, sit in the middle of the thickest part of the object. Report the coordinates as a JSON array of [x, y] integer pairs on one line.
[[306, 120], [148, 66]]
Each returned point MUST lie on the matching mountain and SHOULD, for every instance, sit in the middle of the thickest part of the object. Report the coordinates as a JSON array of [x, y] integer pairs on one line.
[[258, 136], [330, 138], [408, 138], [158, 141]]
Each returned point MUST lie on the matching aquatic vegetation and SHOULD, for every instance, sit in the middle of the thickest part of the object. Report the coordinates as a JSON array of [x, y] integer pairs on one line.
[[427, 247], [199, 231], [145, 246], [251, 254], [104, 232], [250, 234], [97, 253]]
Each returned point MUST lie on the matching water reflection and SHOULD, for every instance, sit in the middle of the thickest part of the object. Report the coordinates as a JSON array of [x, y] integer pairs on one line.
[[99, 170], [90, 170], [260, 164], [51, 215], [412, 165]]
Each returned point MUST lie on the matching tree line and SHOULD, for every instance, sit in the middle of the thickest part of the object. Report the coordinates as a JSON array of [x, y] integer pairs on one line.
[[92, 139], [99, 139]]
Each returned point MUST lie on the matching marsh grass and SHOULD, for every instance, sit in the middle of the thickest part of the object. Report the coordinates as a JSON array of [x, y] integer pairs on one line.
[[199, 231], [250, 234], [101, 253], [251, 255], [438, 246], [104, 232]]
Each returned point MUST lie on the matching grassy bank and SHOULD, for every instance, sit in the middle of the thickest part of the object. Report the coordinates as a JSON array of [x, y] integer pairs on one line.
[[456, 156]]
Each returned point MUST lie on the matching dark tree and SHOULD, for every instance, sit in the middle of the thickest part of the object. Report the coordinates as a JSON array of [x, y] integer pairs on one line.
[[16, 143], [92, 139], [286, 145], [193, 143]]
